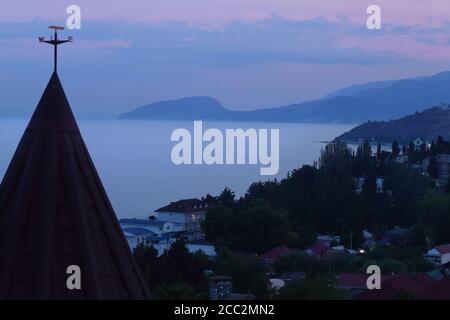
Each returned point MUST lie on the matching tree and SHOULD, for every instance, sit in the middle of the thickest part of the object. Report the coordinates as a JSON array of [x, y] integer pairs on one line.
[[404, 294], [447, 186], [226, 198], [411, 149], [379, 151], [175, 291], [440, 145], [433, 168], [187, 267], [336, 159], [219, 225], [307, 236], [434, 210], [395, 149], [298, 261], [261, 228], [369, 187], [174, 266], [253, 226], [404, 150], [248, 274], [145, 255]]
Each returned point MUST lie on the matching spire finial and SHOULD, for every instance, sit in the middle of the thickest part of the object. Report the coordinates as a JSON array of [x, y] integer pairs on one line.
[[55, 42]]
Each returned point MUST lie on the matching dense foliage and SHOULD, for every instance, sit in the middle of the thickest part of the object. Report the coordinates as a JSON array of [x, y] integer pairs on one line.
[[322, 198]]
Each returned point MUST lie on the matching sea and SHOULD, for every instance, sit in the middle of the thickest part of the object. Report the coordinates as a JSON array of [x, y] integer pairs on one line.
[[133, 159]]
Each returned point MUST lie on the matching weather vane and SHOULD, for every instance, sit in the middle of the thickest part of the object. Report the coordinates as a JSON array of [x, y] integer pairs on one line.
[[55, 42]]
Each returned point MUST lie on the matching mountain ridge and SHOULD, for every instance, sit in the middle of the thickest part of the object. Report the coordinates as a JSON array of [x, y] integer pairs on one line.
[[382, 100], [426, 125]]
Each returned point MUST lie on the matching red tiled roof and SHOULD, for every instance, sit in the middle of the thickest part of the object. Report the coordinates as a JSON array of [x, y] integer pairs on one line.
[[405, 282], [355, 280], [425, 279], [440, 290], [392, 285], [319, 248], [276, 252], [443, 249]]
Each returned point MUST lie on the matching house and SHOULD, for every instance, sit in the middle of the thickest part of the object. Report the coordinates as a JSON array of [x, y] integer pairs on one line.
[[328, 239], [273, 254], [318, 250], [187, 214], [418, 144], [439, 255], [338, 249], [221, 288], [422, 287], [402, 158], [292, 276], [393, 285], [445, 268], [439, 290], [421, 166], [156, 226], [393, 235], [136, 235], [276, 283], [354, 283], [369, 245], [367, 235], [159, 234]]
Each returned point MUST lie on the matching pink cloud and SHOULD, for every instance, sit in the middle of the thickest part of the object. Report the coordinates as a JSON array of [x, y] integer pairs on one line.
[[409, 12]]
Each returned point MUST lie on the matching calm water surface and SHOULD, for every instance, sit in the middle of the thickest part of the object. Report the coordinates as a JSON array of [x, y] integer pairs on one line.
[[133, 159]]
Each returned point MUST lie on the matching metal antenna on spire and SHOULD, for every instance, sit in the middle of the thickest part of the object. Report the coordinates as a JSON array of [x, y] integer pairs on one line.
[[55, 42]]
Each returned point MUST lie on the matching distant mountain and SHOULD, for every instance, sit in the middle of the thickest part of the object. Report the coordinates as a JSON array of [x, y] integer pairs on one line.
[[427, 124], [349, 91], [373, 101], [191, 108]]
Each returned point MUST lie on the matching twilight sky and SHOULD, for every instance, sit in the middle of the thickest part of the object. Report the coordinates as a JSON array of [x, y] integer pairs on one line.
[[246, 53]]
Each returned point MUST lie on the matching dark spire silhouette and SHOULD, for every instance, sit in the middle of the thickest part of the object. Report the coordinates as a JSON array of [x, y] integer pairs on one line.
[[55, 213], [55, 42]]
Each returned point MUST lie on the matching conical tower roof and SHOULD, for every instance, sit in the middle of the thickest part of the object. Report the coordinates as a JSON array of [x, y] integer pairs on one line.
[[55, 213]]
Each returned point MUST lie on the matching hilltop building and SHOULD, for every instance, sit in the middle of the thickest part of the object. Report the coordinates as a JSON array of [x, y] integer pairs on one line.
[[439, 255]]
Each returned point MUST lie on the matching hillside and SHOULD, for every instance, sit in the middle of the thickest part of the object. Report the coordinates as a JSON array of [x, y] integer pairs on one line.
[[373, 101], [427, 124], [191, 108]]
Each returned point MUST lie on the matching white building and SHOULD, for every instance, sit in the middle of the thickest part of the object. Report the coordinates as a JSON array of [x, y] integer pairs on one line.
[[418, 144], [439, 255], [158, 227], [139, 230], [184, 214], [136, 236]]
